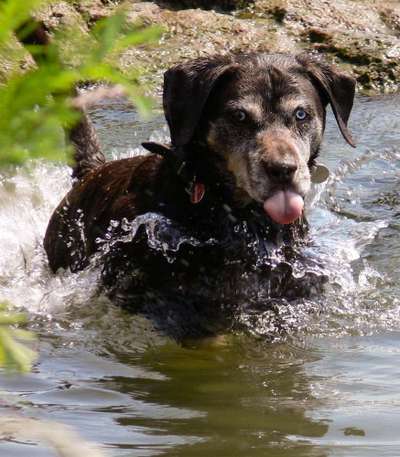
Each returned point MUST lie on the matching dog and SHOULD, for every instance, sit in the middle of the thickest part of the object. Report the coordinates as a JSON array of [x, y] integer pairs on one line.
[[246, 131]]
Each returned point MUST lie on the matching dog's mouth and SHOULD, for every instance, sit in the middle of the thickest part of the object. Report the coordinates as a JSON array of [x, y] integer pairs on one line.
[[284, 206]]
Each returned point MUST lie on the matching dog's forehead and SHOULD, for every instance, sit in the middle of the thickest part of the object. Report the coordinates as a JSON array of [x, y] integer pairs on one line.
[[268, 84], [271, 86]]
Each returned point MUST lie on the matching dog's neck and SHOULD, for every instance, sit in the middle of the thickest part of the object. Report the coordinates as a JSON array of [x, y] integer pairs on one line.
[[219, 212]]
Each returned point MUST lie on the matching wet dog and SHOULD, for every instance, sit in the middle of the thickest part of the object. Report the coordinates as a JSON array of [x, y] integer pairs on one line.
[[175, 224]]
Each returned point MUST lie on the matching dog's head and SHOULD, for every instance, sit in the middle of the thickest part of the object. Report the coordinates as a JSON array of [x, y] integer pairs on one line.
[[262, 117]]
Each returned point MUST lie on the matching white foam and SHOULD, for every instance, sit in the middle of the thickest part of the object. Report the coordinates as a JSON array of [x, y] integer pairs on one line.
[[28, 196]]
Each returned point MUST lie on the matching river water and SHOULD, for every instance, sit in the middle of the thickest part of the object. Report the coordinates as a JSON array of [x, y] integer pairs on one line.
[[328, 385]]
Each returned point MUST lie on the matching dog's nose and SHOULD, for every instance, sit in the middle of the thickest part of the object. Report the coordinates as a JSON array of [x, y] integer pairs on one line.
[[280, 172]]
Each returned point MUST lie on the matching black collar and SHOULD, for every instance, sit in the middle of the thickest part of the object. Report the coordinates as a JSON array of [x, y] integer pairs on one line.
[[177, 159]]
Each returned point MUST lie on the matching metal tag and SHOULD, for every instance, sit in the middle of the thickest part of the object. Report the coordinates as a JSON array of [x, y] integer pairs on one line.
[[198, 192], [319, 173]]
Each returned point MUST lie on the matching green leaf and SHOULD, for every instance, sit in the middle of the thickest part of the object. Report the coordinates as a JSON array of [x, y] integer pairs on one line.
[[35, 104], [14, 13], [13, 354]]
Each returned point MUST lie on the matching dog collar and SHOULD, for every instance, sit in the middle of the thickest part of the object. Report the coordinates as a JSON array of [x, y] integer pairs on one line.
[[174, 156]]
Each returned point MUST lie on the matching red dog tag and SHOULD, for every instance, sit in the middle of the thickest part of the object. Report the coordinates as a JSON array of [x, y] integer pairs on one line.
[[198, 192]]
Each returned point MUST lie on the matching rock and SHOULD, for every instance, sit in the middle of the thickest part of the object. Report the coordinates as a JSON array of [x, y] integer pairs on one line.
[[361, 36], [92, 10], [61, 15], [13, 59], [226, 5], [391, 17], [191, 33], [143, 12]]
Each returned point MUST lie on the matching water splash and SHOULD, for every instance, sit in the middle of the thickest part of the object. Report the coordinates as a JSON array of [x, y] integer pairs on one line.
[[359, 296], [162, 234], [29, 196]]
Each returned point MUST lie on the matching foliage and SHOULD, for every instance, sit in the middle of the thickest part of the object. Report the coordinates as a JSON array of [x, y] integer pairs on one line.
[[13, 354], [36, 103]]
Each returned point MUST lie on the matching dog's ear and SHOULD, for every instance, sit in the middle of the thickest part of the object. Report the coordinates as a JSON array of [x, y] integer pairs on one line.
[[157, 148], [337, 88], [187, 88]]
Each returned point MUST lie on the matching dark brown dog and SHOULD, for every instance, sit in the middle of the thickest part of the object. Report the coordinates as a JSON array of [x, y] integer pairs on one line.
[[245, 133]]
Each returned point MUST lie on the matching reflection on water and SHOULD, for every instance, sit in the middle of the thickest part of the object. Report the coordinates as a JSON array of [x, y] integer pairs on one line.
[[327, 386], [262, 411]]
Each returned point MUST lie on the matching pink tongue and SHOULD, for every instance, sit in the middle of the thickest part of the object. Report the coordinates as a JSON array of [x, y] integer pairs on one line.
[[284, 207]]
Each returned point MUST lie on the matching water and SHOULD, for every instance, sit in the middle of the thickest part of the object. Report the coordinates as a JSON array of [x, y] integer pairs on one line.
[[327, 385]]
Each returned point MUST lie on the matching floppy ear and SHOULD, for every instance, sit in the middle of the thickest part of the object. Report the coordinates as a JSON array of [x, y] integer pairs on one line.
[[337, 88], [157, 148], [186, 91]]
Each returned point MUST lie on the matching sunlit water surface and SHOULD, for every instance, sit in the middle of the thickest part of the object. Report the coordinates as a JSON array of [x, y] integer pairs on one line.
[[327, 385]]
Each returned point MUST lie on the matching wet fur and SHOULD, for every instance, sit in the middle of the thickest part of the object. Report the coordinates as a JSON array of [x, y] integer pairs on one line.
[[232, 159]]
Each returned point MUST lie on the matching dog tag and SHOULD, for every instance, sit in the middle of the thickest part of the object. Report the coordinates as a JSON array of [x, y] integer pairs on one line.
[[319, 173], [198, 192]]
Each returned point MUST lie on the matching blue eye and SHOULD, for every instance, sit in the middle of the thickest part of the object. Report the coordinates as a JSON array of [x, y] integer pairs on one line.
[[300, 114]]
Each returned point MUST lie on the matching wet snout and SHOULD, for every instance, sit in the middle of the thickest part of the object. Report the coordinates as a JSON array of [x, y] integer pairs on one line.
[[281, 161], [280, 172]]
